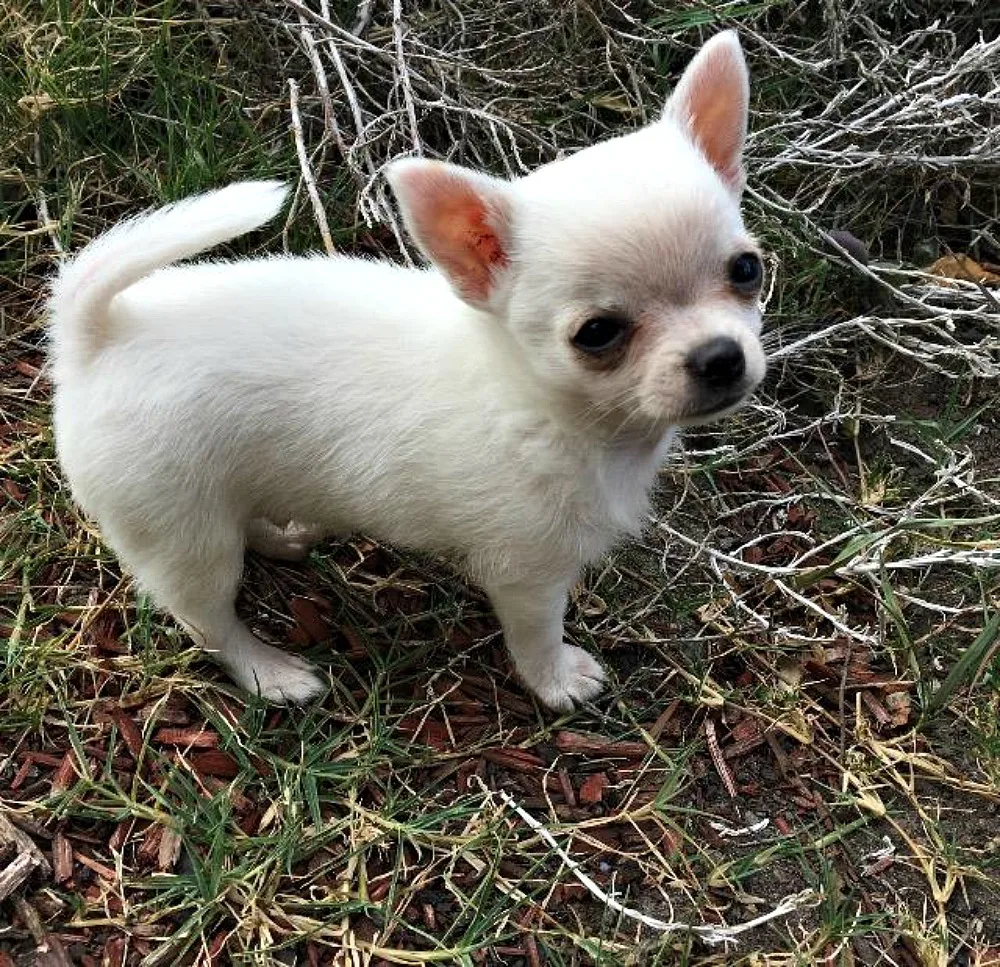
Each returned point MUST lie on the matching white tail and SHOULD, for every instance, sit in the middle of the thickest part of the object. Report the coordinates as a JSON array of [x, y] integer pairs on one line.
[[78, 307]]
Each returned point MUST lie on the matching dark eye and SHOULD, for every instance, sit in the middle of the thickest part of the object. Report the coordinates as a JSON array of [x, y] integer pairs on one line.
[[600, 334], [746, 272]]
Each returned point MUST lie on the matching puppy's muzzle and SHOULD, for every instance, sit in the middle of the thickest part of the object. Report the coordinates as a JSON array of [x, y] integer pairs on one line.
[[718, 365], [718, 370]]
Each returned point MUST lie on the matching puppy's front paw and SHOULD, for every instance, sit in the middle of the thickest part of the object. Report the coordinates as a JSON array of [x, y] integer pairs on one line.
[[276, 676], [572, 676], [294, 682]]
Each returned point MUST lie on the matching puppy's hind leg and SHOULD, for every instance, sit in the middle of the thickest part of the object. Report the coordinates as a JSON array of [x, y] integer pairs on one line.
[[289, 543], [194, 574]]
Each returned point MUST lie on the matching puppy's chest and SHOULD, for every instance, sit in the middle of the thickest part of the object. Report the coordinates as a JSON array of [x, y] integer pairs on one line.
[[603, 499]]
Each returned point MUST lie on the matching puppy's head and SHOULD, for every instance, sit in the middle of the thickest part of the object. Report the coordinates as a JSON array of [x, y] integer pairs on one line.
[[624, 271]]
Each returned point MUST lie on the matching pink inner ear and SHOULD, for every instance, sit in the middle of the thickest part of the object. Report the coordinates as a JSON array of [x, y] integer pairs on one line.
[[451, 219], [485, 250], [712, 101], [717, 128]]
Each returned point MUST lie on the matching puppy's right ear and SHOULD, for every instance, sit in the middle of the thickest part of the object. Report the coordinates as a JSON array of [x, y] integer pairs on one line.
[[461, 221]]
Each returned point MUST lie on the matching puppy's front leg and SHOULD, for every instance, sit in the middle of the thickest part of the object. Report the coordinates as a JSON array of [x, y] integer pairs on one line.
[[532, 618]]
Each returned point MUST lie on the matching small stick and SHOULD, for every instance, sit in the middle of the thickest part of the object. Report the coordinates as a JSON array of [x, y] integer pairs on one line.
[[43, 202], [710, 934], [363, 17], [404, 73], [307, 174], [719, 759]]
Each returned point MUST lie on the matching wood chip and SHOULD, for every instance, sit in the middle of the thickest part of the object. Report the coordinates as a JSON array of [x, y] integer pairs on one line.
[[216, 948], [52, 953], [663, 720], [427, 731], [121, 835], [105, 872], [900, 707], [62, 859], [595, 745], [22, 774], [114, 952], [192, 738], [520, 760], [149, 849], [355, 646], [12, 490], [430, 920], [27, 369], [15, 873], [309, 620], [65, 774], [534, 958], [877, 709], [130, 732], [10, 835], [566, 786], [164, 714], [26, 860], [215, 763], [170, 849], [592, 790]]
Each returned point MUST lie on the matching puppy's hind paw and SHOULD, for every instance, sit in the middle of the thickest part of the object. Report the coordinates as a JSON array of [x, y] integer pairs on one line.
[[573, 677]]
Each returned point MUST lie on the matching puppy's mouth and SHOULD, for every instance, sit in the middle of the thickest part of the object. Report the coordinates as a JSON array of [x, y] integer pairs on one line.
[[719, 406]]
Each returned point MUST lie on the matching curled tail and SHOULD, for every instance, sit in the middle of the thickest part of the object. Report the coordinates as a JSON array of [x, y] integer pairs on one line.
[[82, 293]]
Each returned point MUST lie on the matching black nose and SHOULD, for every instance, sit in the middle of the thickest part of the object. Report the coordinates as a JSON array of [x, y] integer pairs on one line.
[[717, 363]]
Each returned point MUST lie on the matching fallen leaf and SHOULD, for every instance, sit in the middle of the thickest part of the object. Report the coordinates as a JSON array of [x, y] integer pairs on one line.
[[37, 104], [960, 266]]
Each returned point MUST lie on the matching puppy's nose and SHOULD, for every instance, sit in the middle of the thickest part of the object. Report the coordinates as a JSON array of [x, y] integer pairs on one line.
[[717, 363]]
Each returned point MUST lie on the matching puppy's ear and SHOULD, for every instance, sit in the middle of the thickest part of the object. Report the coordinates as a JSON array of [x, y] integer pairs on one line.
[[461, 221], [711, 102]]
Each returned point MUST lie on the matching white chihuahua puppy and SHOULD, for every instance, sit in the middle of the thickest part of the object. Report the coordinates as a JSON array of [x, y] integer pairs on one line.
[[507, 408]]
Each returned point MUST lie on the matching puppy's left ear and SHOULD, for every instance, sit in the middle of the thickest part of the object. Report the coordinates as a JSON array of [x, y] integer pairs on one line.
[[461, 221], [711, 102]]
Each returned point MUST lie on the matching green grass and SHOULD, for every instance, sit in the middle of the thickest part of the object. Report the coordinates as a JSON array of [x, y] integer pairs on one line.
[[207, 828]]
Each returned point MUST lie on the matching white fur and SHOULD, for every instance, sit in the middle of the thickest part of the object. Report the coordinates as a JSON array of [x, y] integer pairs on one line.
[[204, 407]]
